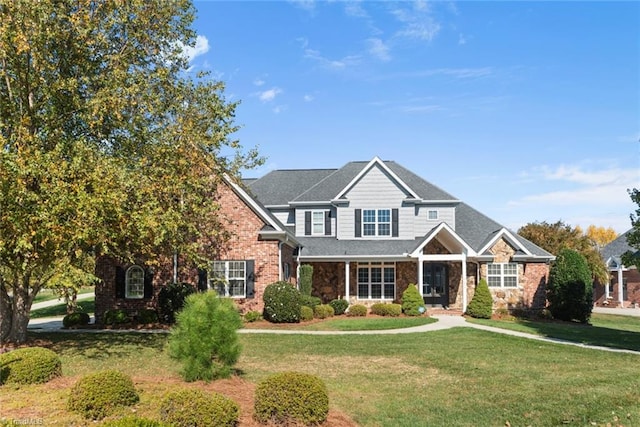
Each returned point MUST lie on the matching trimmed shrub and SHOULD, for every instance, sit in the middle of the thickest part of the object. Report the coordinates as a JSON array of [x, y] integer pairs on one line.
[[195, 408], [323, 311], [412, 302], [133, 421], [306, 279], [306, 313], [339, 306], [147, 316], [310, 301], [171, 300], [29, 365], [252, 316], [281, 303], [98, 395], [570, 291], [481, 305], [205, 337], [382, 309], [76, 319], [116, 317], [357, 310], [291, 397]]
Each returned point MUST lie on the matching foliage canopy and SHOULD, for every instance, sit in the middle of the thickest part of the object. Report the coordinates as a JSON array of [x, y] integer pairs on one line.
[[569, 291]]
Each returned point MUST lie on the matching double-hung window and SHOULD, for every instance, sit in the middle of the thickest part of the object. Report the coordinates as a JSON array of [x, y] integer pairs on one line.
[[376, 280], [228, 278], [376, 222], [317, 222], [134, 282], [502, 275]]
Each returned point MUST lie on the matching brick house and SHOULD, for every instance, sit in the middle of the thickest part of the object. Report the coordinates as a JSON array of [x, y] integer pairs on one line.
[[623, 289], [369, 229]]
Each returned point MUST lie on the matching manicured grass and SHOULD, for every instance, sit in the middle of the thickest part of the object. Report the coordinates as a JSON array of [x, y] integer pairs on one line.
[[49, 294], [605, 330], [344, 323], [457, 377], [88, 306]]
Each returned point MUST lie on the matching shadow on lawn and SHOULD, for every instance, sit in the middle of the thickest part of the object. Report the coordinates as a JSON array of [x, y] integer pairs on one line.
[[99, 346], [585, 334]]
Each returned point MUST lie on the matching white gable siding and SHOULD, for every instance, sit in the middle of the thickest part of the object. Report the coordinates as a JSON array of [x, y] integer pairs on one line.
[[285, 216], [423, 224]]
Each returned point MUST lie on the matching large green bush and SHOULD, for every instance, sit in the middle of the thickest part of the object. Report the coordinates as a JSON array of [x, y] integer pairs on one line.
[[323, 311], [306, 279], [291, 397], [30, 365], [339, 306], [306, 313], [98, 395], [383, 309], [481, 305], [205, 337], [281, 303], [133, 421], [171, 300], [412, 302], [357, 310], [76, 319], [196, 408], [570, 291]]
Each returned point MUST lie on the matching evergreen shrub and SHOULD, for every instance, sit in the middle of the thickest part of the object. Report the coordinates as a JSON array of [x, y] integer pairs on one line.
[[412, 302], [383, 309], [196, 408], [570, 290], [357, 310], [171, 299], [306, 313], [98, 395], [147, 316], [306, 279], [252, 316], [310, 301], [133, 421], [78, 318], [116, 317], [205, 338], [481, 305], [323, 311], [339, 306], [288, 398], [29, 365], [281, 303]]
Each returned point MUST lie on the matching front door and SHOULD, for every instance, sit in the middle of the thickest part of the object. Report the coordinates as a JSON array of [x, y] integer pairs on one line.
[[434, 284]]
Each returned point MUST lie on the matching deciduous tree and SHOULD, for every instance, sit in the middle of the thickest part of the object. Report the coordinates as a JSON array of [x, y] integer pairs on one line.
[[107, 144], [633, 237], [601, 236]]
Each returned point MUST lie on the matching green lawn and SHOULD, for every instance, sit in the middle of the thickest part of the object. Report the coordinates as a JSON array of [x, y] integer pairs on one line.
[[49, 294], [605, 330], [456, 377], [344, 323], [87, 306]]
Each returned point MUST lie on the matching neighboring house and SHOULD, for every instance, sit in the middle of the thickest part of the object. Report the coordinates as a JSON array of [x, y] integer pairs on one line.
[[623, 289], [369, 229]]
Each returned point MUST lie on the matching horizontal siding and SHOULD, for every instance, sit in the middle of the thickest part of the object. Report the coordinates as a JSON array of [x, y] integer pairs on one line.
[[423, 224], [285, 216]]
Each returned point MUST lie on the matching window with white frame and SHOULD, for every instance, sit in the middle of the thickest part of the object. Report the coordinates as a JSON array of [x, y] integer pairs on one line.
[[228, 278], [377, 280], [376, 222], [502, 275], [432, 214], [317, 222], [134, 282]]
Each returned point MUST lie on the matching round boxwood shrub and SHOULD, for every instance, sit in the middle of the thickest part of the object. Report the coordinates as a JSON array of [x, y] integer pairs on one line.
[[147, 316], [133, 421], [116, 317], [323, 311], [252, 316], [339, 306], [193, 407], [382, 309], [291, 397], [481, 305], [281, 303], [30, 365], [412, 302], [306, 313], [357, 310], [98, 395], [171, 299], [76, 319]]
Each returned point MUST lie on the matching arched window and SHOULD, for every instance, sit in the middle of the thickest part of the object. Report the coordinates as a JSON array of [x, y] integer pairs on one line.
[[134, 282]]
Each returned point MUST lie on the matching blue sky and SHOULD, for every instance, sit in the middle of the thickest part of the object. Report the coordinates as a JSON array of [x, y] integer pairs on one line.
[[527, 111]]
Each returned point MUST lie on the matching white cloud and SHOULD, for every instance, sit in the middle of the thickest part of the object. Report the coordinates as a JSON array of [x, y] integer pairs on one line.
[[308, 5], [200, 48], [333, 64], [258, 82], [308, 98], [417, 22], [378, 49], [269, 95], [355, 9], [461, 39]]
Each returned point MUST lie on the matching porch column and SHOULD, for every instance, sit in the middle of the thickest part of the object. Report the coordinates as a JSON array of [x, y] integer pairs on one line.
[[346, 280], [464, 281], [420, 274], [620, 286], [606, 289]]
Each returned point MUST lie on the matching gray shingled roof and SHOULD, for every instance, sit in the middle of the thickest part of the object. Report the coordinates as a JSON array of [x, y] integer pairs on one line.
[[279, 187], [616, 248], [330, 247]]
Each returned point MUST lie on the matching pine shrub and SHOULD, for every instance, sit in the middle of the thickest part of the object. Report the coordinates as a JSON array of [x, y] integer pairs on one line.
[[76, 319], [412, 302], [323, 311], [133, 421], [205, 337], [306, 279], [357, 310], [291, 397], [281, 303], [339, 306], [306, 313], [29, 365], [171, 300], [481, 305], [383, 309], [98, 395], [196, 408], [570, 291]]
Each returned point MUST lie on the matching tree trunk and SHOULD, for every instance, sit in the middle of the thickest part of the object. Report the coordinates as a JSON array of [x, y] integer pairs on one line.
[[14, 316], [6, 317]]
